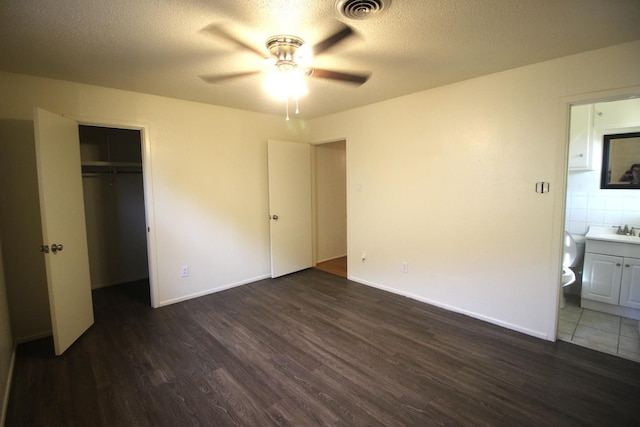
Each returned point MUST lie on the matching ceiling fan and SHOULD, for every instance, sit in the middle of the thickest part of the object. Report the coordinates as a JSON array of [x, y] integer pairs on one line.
[[287, 55]]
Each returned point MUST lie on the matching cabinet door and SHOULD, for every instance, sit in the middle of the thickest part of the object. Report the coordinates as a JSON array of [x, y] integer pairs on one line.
[[630, 286], [580, 134], [601, 280]]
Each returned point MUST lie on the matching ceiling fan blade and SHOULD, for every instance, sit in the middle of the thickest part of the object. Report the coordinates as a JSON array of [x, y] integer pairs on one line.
[[331, 41], [337, 75], [218, 31], [217, 78]]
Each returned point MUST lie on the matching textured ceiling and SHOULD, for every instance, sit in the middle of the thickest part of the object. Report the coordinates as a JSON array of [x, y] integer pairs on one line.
[[158, 46]]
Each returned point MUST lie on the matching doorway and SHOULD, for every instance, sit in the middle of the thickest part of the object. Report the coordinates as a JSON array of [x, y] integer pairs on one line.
[[114, 201], [331, 207], [608, 327]]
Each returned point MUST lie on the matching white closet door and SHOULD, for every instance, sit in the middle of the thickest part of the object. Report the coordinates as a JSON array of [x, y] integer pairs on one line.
[[63, 227]]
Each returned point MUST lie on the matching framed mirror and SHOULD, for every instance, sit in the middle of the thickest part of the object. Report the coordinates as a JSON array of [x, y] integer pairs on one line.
[[621, 161]]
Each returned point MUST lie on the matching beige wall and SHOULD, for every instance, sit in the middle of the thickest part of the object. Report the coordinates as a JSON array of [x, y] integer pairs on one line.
[[330, 200], [207, 178], [6, 344], [447, 179], [22, 231]]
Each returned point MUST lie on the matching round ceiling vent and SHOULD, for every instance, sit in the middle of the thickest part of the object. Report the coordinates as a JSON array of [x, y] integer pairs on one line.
[[361, 9]]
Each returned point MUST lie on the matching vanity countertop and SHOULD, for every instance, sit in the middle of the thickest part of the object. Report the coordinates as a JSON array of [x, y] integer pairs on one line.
[[610, 234]]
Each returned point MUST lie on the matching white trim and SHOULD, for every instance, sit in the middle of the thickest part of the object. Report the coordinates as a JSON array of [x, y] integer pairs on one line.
[[119, 282], [7, 388], [330, 258], [212, 291], [513, 327], [34, 337]]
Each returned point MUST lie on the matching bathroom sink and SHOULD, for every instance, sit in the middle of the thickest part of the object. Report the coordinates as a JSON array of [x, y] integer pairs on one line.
[[610, 234]]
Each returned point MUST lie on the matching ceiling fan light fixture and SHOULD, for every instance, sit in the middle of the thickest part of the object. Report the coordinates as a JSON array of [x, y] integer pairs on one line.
[[287, 83], [285, 78], [288, 66]]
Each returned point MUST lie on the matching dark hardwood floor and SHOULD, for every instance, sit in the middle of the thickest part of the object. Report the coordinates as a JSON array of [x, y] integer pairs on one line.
[[312, 349]]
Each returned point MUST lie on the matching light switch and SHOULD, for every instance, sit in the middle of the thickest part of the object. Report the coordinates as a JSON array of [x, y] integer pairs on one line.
[[542, 187]]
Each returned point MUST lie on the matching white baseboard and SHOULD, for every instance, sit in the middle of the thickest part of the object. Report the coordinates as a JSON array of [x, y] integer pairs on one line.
[[119, 282], [448, 307], [330, 258], [211, 291], [7, 388], [34, 337]]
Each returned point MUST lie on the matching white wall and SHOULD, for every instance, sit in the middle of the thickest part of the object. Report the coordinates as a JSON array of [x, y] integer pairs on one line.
[[208, 175], [447, 180], [331, 200]]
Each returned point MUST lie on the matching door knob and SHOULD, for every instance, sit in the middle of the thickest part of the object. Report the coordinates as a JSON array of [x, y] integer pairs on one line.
[[274, 217], [56, 247]]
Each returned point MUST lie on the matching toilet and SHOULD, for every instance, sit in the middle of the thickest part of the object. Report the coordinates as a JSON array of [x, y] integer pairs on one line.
[[569, 256]]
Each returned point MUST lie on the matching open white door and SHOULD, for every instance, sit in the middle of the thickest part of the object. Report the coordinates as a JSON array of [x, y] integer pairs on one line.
[[290, 206], [64, 232]]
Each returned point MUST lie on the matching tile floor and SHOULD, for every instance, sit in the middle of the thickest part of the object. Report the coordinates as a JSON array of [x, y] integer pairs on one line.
[[599, 331]]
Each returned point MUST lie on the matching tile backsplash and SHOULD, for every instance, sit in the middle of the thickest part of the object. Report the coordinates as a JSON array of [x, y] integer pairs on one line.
[[602, 208]]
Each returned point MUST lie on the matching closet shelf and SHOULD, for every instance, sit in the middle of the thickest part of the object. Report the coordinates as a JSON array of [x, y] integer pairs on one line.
[[111, 167], [113, 164]]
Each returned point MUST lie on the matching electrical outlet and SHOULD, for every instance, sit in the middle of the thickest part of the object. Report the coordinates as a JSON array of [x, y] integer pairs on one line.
[[404, 267], [184, 271]]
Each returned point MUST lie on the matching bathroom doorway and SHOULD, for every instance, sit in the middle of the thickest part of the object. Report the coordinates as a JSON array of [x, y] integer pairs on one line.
[[588, 205]]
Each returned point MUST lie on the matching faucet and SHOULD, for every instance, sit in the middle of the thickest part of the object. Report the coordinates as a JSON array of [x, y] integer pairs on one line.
[[624, 231]]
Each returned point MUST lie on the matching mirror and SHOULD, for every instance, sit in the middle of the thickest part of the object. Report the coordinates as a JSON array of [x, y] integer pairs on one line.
[[621, 161]]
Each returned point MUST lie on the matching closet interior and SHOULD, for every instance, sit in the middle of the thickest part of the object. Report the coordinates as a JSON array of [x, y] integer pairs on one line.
[[114, 205]]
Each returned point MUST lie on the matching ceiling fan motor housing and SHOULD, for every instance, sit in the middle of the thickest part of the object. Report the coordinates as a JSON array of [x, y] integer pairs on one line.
[[283, 48]]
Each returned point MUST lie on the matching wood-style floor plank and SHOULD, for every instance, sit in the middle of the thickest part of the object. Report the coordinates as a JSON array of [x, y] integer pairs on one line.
[[337, 266], [311, 349]]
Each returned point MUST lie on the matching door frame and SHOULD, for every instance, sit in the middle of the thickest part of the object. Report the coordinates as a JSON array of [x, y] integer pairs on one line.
[[565, 121], [147, 182], [314, 196]]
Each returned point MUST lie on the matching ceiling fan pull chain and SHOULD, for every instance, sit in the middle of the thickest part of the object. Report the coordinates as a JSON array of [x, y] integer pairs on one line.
[[287, 108]]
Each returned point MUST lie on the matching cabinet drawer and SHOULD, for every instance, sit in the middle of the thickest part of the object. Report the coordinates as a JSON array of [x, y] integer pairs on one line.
[[610, 248]]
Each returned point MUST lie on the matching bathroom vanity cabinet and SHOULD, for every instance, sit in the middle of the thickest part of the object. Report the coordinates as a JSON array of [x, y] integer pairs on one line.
[[611, 278]]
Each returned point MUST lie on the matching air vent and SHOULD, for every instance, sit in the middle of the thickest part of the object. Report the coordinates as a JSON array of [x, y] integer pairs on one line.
[[361, 9]]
